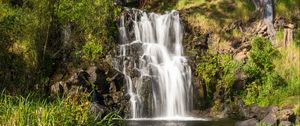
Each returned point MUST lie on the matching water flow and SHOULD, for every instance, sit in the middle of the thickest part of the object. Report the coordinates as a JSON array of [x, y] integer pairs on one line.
[[155, 53]]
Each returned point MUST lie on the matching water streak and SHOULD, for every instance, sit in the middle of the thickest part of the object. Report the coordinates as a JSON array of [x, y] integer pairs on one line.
[[155, 53]]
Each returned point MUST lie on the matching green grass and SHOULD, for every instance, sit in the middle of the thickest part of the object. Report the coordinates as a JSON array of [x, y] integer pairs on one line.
[[287, 8], [183, 4], [33, 110]]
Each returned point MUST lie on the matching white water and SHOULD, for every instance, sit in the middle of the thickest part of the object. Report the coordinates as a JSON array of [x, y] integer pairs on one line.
[[162, 59]]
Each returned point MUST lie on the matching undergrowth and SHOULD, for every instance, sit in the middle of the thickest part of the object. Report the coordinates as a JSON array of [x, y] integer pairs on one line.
[[36, 111]]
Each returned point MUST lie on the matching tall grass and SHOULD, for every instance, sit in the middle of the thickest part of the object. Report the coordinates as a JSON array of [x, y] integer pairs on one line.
[[33, 110]]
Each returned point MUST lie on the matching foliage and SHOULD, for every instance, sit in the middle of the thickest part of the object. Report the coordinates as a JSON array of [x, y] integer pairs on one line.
[[218, 73], [287, 8], [297, 37], [111, 119], [91, 49], [33, 110], [33, 38], [261, 59], [264, 85]]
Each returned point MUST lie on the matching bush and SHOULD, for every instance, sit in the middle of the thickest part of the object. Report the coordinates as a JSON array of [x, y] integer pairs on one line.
[[219, 74], [264, 85]]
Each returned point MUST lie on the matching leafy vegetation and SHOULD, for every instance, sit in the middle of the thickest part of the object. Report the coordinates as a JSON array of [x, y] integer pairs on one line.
[[262, 80], [218, 72], [33, 110], [35, 34], [267, 79]]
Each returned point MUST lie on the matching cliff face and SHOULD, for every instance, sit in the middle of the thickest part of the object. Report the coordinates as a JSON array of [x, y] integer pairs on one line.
[[218, 42]]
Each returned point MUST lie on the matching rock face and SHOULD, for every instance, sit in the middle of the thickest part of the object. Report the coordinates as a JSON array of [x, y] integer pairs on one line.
[[105, 86]]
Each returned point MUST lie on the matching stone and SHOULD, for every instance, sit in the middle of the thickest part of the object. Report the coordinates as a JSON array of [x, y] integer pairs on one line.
[[285, 123], [249, 122], [270, 119], [241, 56], [287, 115], [96, 75], [57, 89], [97, 111]]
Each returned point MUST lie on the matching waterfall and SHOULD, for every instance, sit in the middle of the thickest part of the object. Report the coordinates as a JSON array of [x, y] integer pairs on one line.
[[150, 56]]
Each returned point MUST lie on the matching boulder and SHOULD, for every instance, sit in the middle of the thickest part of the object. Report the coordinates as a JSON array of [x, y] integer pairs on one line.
[[57, 89], [249, 122], [285, 123], [97, 111], [270, 119], [287, 115], [241, 56]]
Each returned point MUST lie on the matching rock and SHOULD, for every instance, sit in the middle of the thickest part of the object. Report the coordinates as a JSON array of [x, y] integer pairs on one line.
[[97, 111], [146, 96], [98, 78], [96, 75], [57, 89], [236, 43], [249, 122], [97, 98], [287, 115], [285, 123], [82, 78], [241, 56], [270, 119]]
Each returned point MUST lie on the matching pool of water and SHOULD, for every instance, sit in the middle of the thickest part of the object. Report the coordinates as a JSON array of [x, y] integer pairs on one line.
[[180, 122]]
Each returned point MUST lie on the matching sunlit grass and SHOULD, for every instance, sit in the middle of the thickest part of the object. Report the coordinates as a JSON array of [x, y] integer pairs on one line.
[[288, 66], [32, 110], [287, 8], [202, 21], [183, 4]]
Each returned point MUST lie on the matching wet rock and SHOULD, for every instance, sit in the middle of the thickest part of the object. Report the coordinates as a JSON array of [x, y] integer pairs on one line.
[[249, 122], [135, 73], [146, 96]]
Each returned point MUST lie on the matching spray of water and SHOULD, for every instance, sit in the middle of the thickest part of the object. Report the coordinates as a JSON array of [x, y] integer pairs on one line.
[[160, 42]]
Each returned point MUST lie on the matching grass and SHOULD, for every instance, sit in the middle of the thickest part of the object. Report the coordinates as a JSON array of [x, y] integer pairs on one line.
[[33, 110], [183, 4], [287, 8], [288, 67]]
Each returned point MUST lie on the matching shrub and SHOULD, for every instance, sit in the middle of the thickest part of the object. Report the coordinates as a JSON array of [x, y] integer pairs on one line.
[[264, 85], [219, 74]]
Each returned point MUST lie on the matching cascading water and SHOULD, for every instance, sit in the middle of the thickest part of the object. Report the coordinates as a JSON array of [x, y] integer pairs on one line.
[[157, 74]]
